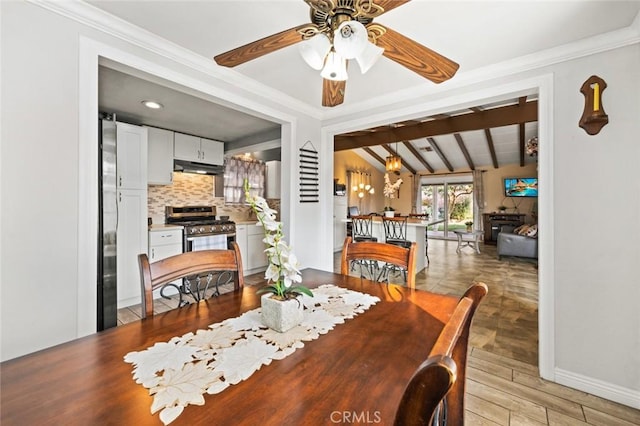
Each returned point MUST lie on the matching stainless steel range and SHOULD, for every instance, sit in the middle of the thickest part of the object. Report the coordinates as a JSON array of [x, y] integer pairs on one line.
[[203, 230]]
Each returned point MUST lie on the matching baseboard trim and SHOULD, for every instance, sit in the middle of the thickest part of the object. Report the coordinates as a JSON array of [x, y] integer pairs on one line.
[[622, 395]]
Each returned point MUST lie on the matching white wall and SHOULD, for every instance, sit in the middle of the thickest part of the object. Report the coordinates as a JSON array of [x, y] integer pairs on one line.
[[596, 208], [48, 212]]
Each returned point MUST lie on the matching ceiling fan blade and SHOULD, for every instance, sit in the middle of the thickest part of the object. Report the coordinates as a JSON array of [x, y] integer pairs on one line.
[[332, 92], [416, 57], [261, 47]]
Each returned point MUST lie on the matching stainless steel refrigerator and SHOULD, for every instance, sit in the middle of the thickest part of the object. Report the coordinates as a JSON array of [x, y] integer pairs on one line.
[[108, 222]]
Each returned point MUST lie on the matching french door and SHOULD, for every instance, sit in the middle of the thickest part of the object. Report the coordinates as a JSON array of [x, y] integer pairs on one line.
[[449, 206]]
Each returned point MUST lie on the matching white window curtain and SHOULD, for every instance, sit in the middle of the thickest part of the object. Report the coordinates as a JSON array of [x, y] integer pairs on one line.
[[478, 199], [236, 170]]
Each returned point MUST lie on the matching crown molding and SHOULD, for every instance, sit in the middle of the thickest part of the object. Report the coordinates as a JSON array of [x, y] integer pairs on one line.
[[534, 61], [104, 22]]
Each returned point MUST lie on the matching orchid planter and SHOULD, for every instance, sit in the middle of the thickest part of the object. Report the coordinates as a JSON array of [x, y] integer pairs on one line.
[[281, 315], [389, 213]]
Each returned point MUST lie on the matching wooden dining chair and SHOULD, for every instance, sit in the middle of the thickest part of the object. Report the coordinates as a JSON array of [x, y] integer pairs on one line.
[[435, 392], [402, 257], [193, 267]]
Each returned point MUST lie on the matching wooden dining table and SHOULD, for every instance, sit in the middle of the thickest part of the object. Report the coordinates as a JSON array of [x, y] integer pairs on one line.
[[356, 373]]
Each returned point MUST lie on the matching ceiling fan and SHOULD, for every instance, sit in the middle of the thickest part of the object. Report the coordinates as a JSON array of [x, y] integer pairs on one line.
[[341, 30]]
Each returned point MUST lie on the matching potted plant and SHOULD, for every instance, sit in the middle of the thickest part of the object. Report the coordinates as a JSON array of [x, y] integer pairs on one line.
[[389, 211], [281, 310], [502, 208], [469, 225]]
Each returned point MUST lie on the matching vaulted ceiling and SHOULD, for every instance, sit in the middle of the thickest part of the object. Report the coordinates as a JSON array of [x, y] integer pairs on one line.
[[485, 136]]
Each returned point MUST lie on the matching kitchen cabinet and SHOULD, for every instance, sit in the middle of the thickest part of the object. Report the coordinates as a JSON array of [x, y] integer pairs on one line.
[[199, 150], [339, 224], [273, 179], [159, 156], [249, 238], [256, 257], [164, 242], [241, 239], [132, 240], [131, 160]]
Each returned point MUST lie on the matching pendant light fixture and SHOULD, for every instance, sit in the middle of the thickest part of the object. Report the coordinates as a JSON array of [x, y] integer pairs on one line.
[[393, 162]]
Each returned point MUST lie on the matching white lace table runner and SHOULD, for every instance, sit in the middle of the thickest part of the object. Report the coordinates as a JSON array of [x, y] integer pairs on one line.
[[179, 372]]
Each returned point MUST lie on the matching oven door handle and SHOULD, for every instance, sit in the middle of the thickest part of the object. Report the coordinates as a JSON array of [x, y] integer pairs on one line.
[[205, 236]]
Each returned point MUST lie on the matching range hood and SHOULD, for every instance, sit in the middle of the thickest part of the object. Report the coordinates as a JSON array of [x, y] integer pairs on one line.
[[200, 168]]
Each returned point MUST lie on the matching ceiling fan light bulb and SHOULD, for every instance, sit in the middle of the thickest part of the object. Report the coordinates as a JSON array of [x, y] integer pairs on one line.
[[369, 56], [335, 67], [360, 194], [350, 39], [314, 50], [372, 191]]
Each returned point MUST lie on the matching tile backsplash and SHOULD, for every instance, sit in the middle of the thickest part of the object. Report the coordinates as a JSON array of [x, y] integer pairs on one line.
[[189, 189]]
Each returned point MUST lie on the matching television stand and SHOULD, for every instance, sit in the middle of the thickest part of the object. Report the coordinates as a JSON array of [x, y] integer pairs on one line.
[[494, 221]]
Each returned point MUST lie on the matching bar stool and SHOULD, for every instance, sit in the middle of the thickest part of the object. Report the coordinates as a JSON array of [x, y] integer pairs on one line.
[[361, 230], [395, 232]]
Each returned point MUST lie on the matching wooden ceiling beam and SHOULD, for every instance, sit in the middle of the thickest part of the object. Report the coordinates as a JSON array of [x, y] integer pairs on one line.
[[419, 156], [490, 145], [464, 150], [374, 155], [492, 148], [496, 117], [438, 151]]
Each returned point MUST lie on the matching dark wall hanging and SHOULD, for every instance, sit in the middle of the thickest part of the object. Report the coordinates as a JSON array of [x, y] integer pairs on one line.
[[593, 117], [309, 174]]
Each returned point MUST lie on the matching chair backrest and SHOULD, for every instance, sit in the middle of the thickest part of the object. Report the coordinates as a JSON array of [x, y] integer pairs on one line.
[[381, 252], [158, 274], [441, 378], [395, 228], [422, 216], [361, 226]]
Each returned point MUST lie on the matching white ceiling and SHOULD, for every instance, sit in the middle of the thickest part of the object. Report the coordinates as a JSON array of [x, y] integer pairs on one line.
[[476, 34]]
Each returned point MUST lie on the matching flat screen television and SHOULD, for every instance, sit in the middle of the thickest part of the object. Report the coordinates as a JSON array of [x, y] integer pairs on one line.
[[521, 187]]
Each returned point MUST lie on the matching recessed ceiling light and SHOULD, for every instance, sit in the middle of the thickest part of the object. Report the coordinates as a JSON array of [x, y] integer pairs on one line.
[[152, 104]]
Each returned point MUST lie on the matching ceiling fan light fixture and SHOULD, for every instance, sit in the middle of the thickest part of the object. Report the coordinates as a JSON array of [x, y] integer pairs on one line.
[[350, 39], [369, 56], [335, 67], [314, 50]]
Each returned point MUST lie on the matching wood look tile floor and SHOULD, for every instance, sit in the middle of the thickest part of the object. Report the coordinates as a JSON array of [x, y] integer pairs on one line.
[[503, 383]]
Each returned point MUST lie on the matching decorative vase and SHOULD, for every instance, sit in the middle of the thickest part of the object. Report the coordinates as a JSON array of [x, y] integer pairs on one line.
[[389, 213], [281, 315]]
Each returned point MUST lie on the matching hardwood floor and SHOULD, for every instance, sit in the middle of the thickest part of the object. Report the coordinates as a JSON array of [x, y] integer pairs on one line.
[[503, 383]]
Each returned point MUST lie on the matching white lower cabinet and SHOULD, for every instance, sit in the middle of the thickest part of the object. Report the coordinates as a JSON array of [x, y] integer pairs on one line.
[[163, 243], [131, 241], [241, 239], [249, 238]]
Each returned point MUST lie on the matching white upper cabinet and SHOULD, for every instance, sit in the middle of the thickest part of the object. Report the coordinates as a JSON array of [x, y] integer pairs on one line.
[[160, 156], [193, 148], [131, 160], [212, 152]]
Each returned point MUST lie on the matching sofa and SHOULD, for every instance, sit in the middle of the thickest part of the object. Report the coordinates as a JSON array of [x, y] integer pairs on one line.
[[520, 242]]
